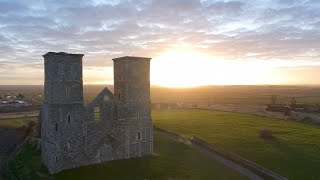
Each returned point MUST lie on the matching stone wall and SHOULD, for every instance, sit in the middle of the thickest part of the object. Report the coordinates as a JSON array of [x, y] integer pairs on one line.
[[72, 136]]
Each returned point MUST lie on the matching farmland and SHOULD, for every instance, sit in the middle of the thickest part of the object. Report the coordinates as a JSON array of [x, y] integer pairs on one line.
[[294, 152], [259, 94]]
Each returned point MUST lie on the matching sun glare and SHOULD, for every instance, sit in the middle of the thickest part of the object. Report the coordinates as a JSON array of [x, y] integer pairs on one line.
[[187, 68]]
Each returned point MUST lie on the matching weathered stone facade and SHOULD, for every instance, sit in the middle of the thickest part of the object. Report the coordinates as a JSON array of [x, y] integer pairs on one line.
[[112, 126]]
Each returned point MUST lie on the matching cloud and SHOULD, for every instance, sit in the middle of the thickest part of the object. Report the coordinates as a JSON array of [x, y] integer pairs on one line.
[[231, 29]]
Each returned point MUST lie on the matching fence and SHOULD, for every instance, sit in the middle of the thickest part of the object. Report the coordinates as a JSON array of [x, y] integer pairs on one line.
[[259, 170]]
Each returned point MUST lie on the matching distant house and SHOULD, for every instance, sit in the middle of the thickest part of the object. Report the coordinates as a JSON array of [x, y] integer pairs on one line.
[[13, 103], [297, 107], [164, 106]]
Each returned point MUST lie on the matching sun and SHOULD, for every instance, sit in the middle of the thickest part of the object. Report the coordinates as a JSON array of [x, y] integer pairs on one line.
[[176, 69], [187, 68]]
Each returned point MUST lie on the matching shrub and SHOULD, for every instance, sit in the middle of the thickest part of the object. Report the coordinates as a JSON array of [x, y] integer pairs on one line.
[[266, 134]]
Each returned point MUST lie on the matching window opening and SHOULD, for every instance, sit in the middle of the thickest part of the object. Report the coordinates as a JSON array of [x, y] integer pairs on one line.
[[69, 145], [60, 69], [69, 118], [97, 113], [115, 112]]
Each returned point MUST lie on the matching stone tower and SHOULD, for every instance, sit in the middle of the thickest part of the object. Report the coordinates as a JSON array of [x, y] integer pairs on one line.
[[132, 88], [113, 126], [62, 108]]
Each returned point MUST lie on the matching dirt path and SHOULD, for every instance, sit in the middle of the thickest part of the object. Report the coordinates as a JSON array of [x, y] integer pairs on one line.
[[218, 158], [13, 115], [228, 163]]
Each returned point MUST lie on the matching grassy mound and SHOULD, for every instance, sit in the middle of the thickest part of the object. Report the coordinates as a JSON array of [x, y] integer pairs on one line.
[[294, 152]]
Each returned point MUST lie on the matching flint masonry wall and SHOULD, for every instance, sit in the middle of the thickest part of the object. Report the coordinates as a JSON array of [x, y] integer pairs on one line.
[[132, 88], [71, 134]]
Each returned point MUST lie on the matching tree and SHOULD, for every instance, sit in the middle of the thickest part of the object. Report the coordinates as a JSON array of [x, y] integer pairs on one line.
[[273, 99], [20, 96]]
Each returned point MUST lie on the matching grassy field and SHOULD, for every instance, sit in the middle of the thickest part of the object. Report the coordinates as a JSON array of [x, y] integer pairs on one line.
[[19, 122], [171, 160], [293, 153]]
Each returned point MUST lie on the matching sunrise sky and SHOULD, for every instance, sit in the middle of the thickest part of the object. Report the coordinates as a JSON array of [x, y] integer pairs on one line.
[[192, 42]]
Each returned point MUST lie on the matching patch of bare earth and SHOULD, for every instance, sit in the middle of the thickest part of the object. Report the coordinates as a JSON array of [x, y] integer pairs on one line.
[[9, 138], [13, 115]]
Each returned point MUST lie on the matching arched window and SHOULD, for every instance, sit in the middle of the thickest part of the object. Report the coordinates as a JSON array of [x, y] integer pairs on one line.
[[69, 145], [139, 136], [67, 91], [106, 99], [97, 113]]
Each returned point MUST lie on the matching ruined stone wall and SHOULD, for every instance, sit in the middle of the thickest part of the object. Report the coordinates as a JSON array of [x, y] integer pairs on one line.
[[72, 136]]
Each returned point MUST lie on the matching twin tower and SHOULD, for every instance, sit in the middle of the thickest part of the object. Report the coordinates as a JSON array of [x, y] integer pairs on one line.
[[113, 126]]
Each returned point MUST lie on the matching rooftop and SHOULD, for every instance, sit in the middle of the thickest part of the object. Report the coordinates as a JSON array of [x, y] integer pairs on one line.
[[61, 53], [131, 58]]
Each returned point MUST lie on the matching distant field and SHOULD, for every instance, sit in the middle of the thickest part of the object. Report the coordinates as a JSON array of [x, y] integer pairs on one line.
[[172, 160], [259, 94], [293, 153]]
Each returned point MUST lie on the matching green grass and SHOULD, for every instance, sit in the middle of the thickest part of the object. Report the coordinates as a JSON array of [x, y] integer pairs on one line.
[[172, 159], [293, 153], [17, 122]]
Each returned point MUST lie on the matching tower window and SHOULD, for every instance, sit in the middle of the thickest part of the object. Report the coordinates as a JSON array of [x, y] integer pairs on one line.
[[56, 159], [69, 145], [138, 115], [69, 118], [139, 136], [67, 91], [119, 96], [60, 69], [73, 71], [115, 112], [56, 126]]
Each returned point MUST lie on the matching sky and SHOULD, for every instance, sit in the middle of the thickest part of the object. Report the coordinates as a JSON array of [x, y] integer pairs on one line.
[[191, 42]]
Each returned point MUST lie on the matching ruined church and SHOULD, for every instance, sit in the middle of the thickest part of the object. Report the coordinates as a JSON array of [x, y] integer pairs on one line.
[[113, 126]]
